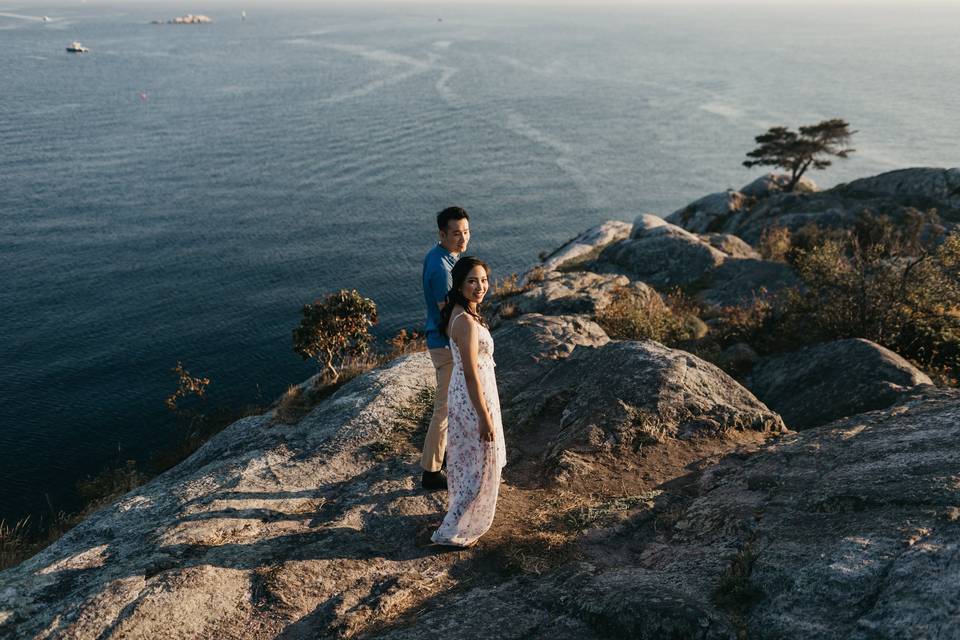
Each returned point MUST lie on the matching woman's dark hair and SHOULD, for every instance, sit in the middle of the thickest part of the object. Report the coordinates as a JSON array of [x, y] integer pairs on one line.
[[455, 297], [451, 213]]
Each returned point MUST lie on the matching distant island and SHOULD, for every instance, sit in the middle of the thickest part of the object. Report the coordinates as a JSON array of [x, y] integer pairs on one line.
[[187, 19]]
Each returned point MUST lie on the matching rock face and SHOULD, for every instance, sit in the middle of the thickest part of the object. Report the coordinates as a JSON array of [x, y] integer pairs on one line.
[[587, 242], [578, 292], [772, 183], [849, 531], [265, 529], [619, 397], [709, 213], [833, 380], [731, 245], [738, 282], [725, 269], [662, 255], [534, 343], [926, 187], [893, 194], [762, 203]]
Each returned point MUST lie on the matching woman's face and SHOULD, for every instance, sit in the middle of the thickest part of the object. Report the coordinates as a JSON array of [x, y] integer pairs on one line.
[[475, 285]]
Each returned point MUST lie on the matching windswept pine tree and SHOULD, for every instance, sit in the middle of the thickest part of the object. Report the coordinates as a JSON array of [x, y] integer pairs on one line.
[[797, 152]]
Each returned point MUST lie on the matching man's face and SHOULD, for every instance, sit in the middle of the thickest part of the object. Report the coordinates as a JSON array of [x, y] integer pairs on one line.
[[456, 237]]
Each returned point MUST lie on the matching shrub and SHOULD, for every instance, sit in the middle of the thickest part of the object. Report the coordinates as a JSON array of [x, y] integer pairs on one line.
[[536, 274], [507, 286], [334, 329], [775, 243], [406, 342], [110, 484], [187, 385], [292, 406], [15, 543], [633, 316], [735, 590], [880, 282], [747, 323]]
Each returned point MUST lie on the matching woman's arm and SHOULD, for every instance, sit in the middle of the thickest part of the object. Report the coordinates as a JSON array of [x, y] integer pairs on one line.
[[467, 337]]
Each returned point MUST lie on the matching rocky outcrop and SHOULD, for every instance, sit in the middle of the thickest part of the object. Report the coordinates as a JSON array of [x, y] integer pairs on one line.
[[919, 187], [762, 203], [578, 292], [620, 397], [661, 254], [719, 211], [265, 529], [833, 380], [849, 531], [722, 268], [731, 245], [587, 243], [530, 346], [318, 529], [739, 282], [709, 213], [773, 183], [895, 194]]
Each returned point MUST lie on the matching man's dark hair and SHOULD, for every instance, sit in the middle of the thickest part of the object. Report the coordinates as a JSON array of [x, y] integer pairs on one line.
[[451, 213]]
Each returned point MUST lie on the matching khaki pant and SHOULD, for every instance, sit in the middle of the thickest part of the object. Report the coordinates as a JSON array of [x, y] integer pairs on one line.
[[436, 443]]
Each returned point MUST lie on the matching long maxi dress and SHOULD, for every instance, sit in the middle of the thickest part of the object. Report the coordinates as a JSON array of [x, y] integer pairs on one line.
[[473, 466]]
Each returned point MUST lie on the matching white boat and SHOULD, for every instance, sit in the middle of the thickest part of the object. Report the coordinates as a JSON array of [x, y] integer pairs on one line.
[[76, 47], [46, 19]]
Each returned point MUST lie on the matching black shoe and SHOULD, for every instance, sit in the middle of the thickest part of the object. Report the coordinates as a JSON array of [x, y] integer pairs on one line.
[[434, 480]]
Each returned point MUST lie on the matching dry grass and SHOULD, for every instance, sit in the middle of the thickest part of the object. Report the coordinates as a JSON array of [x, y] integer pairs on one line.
[[507, 286], [630, 316], [110, 483], [405, 343], [15, 543], [603, 511], [775, 243], [536, 274], [292, 406], [736, 592], [508, 310], [409, 427], [29, 536]]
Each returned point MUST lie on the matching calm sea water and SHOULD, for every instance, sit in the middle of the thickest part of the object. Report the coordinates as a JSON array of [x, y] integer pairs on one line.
[[179, 192]]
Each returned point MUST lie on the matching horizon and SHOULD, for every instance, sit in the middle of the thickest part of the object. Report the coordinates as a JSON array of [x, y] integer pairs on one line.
[[481, 3]]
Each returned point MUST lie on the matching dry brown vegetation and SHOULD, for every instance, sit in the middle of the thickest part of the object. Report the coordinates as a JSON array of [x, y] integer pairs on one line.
[[632, 316], [774, 243], [894, 283], [879, 281], [506, 286]]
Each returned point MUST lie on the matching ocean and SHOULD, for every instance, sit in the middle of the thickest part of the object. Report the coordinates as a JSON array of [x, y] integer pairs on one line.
[[179, 192]]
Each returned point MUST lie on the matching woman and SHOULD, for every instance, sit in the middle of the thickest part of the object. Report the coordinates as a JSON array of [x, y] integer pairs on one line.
[[475, 448]]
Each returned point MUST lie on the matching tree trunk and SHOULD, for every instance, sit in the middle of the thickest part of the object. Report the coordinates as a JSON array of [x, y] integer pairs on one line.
[[796, 174], [328, 366]]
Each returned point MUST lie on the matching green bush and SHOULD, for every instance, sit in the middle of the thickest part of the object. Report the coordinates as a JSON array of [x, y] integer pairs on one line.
[[879, 281], [335, 329]]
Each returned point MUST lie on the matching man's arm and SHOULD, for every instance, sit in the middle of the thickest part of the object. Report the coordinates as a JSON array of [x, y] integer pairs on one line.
[[439, 285]]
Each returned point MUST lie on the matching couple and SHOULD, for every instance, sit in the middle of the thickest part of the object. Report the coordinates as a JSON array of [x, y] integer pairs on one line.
[[467, 408]]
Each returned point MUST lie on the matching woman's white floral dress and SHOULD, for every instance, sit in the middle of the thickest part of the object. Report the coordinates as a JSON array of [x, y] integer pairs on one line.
[[473, 466]]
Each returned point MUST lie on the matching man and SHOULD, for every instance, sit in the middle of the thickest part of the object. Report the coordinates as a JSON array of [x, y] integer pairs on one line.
[[453, 224]]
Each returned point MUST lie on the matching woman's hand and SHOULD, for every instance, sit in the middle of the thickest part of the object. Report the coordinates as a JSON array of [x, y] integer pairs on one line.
[[485, 426]]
